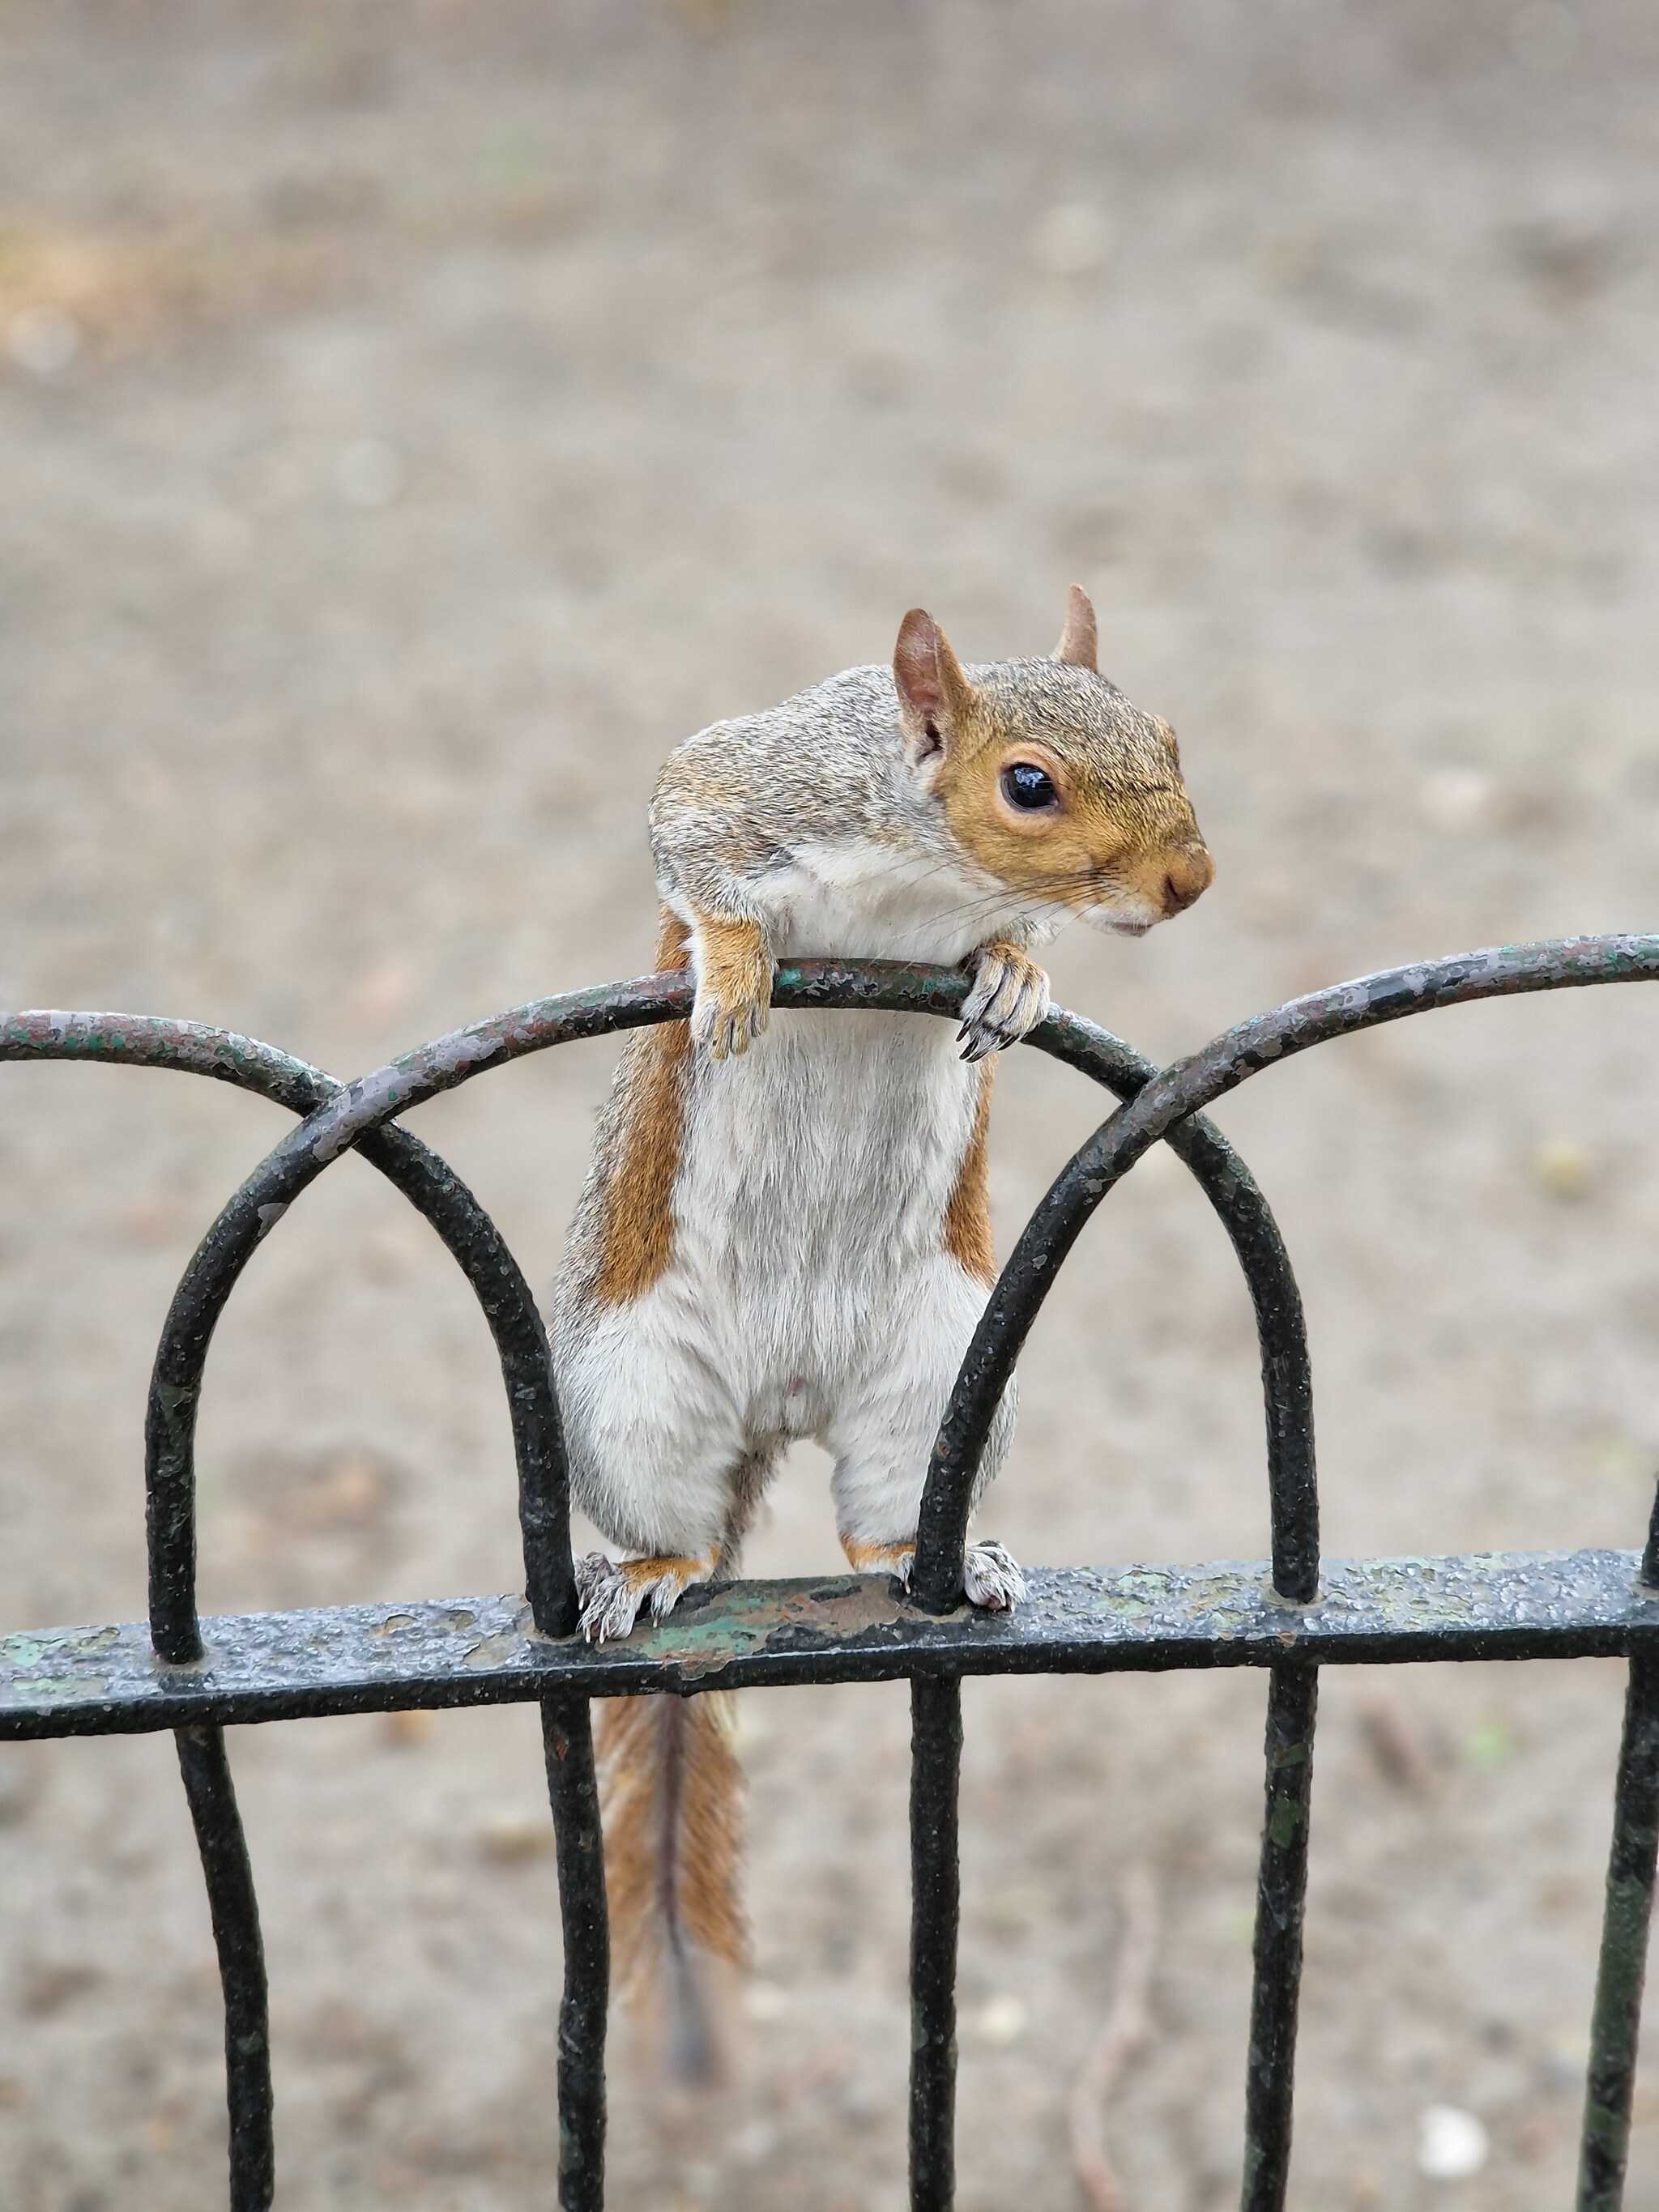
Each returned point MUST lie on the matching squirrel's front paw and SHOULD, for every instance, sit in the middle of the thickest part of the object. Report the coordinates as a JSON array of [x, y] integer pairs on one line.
[[991, 1579], [1009, 997], [611, 1592], [734, 985]]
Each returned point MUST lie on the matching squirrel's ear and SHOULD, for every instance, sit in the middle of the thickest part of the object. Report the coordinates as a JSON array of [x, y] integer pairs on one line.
[[933, 693], [1078, 643]]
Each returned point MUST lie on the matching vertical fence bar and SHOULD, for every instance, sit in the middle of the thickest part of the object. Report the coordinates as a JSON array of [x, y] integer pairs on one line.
[[568, 1740], [1281, 1893], [1615, 2023], [235, 1915], [935, 1912]]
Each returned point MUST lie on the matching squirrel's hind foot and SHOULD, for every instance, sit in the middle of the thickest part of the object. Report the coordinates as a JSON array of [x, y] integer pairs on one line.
[[612, 1591], [990, 1575], [1008, 999], [992, 1578]]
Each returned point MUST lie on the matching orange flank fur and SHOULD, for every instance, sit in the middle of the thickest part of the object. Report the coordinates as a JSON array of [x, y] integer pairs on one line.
[[967, 1217], [672, 1802], [636, 1237]]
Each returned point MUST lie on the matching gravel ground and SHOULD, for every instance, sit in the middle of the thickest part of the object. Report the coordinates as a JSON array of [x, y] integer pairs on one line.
[[412, 421]]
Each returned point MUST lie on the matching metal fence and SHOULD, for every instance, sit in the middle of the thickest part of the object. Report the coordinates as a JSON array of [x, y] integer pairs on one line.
[[1290, 1615]]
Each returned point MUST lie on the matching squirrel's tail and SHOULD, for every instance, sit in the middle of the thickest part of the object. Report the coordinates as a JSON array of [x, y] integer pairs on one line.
[[672, 1800]]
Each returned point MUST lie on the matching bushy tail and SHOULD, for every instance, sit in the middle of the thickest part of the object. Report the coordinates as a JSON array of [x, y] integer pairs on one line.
[[671, 1798]]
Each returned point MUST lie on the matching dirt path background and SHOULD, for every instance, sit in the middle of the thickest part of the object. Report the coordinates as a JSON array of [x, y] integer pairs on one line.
[[412, 421]]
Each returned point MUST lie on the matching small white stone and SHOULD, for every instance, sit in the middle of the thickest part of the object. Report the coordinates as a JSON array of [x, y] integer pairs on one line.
[[42, 338], [1456, 798], [1070, 240], [369, 473], [1001, 2021], [1451, 2144]]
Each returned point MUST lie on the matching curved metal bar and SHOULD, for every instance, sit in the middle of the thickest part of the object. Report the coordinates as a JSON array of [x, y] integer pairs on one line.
[[509, 1307], [193, 1047], [153, 1041], [1281, 1329], [1181, 1089], [353, 1115]]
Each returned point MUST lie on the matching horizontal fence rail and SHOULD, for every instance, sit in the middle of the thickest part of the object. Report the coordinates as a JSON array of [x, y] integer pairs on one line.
[[842, 1628], [1288, 1613]]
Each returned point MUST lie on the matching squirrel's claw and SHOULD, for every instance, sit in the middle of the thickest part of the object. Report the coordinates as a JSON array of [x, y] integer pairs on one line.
[[609, 1602], [1008, 999], [991, 1578], [723, 1030]]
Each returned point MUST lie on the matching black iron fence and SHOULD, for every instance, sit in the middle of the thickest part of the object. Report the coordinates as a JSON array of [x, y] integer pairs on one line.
[[1290, 1615]]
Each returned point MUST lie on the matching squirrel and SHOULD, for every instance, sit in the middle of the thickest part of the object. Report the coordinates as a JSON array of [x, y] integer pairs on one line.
[[784, 1230]]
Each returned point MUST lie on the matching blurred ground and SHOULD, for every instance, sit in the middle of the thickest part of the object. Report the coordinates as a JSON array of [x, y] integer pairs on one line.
[[414, 419]]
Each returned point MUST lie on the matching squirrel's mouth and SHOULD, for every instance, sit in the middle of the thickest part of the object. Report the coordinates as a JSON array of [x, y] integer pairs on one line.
[[1115, 923]]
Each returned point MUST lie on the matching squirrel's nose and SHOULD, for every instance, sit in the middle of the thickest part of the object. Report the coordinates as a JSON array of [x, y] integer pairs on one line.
[[1187, 874]]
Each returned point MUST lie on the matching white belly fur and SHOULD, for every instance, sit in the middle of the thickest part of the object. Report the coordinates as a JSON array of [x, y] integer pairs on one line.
[[815, 1173], [816, 1169]]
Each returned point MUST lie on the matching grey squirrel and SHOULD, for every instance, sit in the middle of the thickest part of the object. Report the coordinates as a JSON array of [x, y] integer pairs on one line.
[[784, 1230]]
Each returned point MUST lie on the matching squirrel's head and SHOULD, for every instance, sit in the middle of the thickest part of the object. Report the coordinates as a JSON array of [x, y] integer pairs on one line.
[[1050, 780]]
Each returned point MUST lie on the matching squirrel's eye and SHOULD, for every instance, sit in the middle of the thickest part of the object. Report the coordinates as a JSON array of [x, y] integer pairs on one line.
[[1029, 788]]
